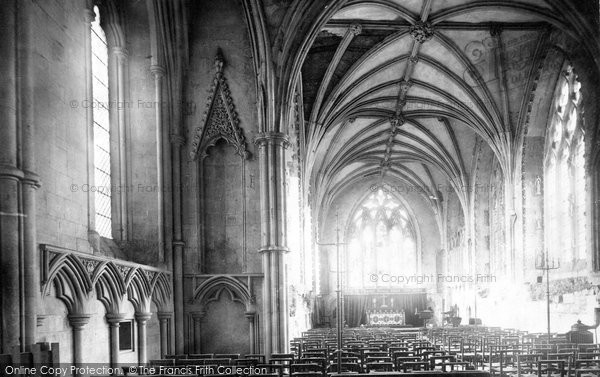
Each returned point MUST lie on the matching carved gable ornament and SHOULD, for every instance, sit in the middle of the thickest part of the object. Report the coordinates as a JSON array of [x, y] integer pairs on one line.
[[219, 120]]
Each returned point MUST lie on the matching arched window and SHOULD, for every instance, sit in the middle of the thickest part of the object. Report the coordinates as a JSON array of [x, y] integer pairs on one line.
[[100, 106], [564, 175], [382, 240]]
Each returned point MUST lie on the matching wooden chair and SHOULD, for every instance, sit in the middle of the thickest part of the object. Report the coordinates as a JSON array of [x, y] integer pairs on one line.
[[411, 366], [344, 368], [551, 368], [587, 373], [379, 367]]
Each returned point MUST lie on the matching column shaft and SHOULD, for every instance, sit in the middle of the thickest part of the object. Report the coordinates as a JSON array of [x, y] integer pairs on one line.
[[197, 335], [30, 182], [142, 320], [78, 321], [158, 73], [120, 59], [9, 184], [252, 330], [114, 320], [164, 333], [273, 239], [178, 244]]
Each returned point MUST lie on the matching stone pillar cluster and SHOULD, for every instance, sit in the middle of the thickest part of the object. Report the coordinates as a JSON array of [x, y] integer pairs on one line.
[[272, 147], [18, 182]]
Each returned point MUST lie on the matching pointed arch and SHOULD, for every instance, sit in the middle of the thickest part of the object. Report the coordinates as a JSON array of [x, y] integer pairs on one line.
[[70, 277], [211, 290]]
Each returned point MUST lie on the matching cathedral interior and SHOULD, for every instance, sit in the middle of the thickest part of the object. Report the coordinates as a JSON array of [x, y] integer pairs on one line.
[[230, 177]]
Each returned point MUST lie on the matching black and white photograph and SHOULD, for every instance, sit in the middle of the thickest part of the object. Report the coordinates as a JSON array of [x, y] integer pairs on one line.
[[300, 188]]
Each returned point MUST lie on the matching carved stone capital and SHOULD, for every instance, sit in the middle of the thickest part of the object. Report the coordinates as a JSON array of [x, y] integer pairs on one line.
[[198, 315], [158, 71], [275, 137], [273, 249], [114, 319], [421, 31], [32, 179], [164, 316], [142, 317], [11, 172], [78, 321]]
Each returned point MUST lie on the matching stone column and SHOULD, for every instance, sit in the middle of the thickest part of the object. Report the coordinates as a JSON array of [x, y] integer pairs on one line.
[[177, 258], [164, 319], [142, 319], [271, 156], [30, 181], [9, 184], [114, 320], [93, 236], [120, 163], [77, 322], [197, 319], [158, 72], [250, 316], [510, 221]]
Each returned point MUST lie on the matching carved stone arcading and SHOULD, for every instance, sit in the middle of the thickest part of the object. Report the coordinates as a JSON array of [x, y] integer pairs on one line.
[[74, 275], [219, 120], [123, 271], [90, 265], [421, 31]]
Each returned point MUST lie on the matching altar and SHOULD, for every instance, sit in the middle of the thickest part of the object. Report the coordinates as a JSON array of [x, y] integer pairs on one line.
[[385, 317]]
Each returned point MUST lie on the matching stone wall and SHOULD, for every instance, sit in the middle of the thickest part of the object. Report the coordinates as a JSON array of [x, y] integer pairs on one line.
[[60, 127], [222, 207]]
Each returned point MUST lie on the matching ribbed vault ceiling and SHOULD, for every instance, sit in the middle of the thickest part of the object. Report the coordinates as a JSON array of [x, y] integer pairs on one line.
[[402, 91]]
